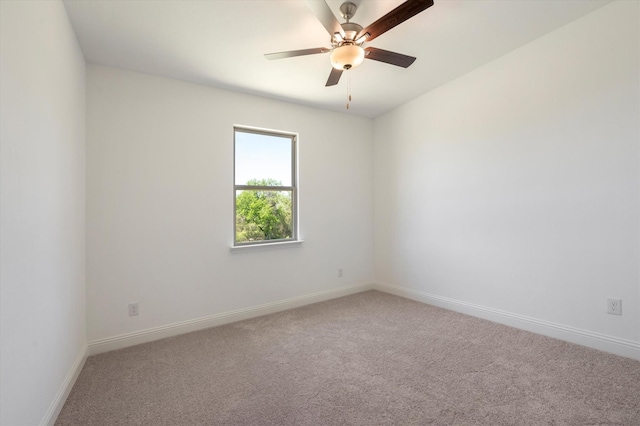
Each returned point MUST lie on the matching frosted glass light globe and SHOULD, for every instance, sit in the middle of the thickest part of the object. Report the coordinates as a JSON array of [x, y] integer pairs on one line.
[[347, 56]]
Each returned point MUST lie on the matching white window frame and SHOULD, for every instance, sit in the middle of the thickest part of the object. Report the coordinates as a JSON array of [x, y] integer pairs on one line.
[[293, 188]]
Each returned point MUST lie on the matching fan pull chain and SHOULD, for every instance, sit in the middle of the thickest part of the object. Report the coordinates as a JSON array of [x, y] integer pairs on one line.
[[348, 88]]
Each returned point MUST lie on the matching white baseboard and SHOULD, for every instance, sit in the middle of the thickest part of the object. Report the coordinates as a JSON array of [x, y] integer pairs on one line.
[[156, 333], [61, 397], [623, 347]]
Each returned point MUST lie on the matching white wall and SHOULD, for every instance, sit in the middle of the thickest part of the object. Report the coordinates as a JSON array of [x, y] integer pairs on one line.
[[515, 188], [42, 214], [159, 203]]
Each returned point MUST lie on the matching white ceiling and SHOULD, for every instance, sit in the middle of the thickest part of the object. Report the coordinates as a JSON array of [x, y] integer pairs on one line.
[[221, 43]]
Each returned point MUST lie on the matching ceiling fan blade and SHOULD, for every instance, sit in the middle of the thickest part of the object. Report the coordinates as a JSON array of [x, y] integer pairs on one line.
[[326, 17], [334, 77], [293, 53], [397, 16], [388, 57]]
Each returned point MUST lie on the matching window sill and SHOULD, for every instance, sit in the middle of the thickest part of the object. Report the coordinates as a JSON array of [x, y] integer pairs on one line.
[[265, 246]]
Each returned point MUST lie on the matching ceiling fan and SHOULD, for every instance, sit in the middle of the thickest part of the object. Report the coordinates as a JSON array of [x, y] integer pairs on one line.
[[347, 39]]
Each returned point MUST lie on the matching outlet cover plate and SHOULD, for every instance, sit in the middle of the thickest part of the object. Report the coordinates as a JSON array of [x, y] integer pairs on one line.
[[134, 309], [614, 306]]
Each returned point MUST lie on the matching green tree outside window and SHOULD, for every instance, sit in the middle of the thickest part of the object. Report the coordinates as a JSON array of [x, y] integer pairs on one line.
[[263, 214]]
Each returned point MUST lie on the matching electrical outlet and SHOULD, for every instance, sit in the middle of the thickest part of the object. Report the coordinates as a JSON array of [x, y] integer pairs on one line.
[[134, 309], [339, 272], [614, 306]]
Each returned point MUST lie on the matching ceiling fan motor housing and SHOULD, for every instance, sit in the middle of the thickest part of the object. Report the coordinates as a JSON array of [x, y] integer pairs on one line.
[[351, 30]]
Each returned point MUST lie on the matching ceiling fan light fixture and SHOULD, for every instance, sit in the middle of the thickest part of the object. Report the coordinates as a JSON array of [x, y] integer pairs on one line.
[[362, 38], [347, 56]]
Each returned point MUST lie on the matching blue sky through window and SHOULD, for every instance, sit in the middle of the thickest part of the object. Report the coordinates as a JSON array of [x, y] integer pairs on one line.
[[261, 157]]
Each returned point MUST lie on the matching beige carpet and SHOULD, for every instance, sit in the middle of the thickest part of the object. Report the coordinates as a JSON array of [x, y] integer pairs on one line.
[[366, 359]]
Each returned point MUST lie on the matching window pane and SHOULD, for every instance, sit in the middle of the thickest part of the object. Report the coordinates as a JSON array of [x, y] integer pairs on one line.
[[263, 215], [262, 159]]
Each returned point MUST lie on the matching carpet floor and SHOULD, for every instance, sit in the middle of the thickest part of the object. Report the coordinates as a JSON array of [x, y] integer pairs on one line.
[[366, 359]]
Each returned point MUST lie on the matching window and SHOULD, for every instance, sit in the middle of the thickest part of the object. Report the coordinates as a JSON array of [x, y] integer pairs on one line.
[[265, 194]]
